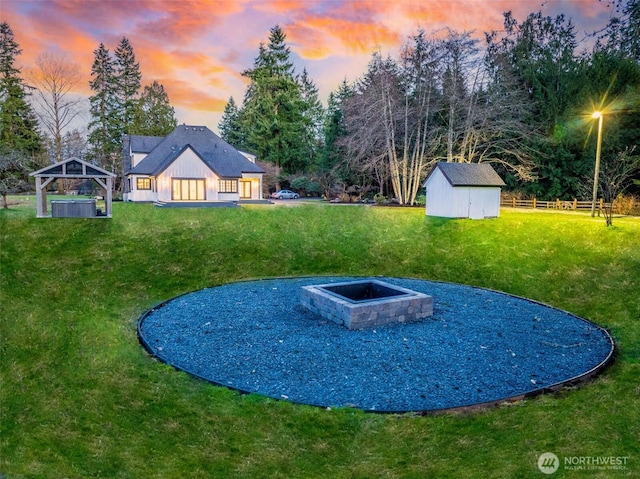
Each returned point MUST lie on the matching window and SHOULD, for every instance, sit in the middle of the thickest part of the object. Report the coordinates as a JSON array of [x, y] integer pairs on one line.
[[228, 186], [143, 183]]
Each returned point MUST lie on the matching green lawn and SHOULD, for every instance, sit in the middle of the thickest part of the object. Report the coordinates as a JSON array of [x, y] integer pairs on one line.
[[80, 398]]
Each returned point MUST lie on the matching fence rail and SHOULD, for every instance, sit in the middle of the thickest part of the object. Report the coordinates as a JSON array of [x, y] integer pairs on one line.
[[628, 205], [574, 204]]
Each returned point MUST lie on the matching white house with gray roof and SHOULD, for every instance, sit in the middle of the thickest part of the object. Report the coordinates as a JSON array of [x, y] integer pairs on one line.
[[190, 164], [463, 190]]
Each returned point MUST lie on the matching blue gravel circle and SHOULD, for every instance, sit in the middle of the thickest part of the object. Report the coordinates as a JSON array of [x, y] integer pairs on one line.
[[480, 347]]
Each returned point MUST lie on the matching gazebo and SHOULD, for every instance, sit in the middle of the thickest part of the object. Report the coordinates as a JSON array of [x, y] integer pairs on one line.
[[72, 168]]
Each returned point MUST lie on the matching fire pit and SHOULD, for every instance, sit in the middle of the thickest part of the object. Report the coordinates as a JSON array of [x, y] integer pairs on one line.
[[366, 304]]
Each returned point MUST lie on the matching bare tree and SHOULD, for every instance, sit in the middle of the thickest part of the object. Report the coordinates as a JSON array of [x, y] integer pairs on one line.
[[615, 177], [390, 119], [56, 105], [14, 168]]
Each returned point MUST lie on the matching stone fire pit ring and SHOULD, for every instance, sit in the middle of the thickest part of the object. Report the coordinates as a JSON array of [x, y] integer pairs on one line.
[[479, 348]]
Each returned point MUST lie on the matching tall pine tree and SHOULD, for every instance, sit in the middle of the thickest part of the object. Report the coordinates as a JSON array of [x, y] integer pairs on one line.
[[18, 122], [127, 81], [272, 114], [153, 113], [104, 133], [313, 117], [230, 125]]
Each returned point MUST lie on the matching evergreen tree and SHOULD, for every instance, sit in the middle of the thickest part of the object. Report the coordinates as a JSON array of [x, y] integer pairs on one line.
[[539, 55], [272, 114], [230, 125], [104, 133], [127, 81], [18, 122], [623, 31], [313, 117], [153, 114], [334, 129]]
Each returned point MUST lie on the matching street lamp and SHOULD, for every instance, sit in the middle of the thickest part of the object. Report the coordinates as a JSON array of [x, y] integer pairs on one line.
[[599, 116]]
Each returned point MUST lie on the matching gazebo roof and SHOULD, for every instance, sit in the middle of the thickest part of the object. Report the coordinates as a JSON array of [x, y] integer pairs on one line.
[[73, 168]]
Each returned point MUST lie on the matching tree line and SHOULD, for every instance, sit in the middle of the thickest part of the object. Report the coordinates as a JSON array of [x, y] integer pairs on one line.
[[520, 98], [38, 108]]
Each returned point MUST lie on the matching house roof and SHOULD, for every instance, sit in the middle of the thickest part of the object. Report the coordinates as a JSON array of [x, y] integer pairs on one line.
[[217, 154], [144, 144], [468, 174]]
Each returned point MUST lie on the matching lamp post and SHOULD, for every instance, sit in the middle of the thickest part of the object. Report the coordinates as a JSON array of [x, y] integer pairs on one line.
[[599, 116]]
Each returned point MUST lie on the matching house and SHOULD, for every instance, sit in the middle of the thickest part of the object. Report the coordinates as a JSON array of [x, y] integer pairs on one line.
[[463, 190], [190, 164]]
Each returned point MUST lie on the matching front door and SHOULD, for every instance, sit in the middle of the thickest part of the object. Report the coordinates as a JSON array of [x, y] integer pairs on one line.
[[245, 190], [187, 189]]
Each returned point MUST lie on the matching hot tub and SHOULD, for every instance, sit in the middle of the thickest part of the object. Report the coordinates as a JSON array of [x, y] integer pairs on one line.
[[73, 208]]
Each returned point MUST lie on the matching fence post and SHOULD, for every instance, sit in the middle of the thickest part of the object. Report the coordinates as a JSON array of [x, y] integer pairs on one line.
[[514, 202], [534, 203], [601, 205], [575, 204]]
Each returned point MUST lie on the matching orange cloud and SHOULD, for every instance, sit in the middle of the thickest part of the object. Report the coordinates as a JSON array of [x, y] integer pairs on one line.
[[318, 37], [182, 94], [198, 48]]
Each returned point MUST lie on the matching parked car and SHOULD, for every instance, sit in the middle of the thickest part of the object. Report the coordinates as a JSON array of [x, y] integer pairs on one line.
[[285, 195]]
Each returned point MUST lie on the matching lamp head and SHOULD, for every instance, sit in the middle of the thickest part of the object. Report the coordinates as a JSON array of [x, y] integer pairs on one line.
[[596, 114]]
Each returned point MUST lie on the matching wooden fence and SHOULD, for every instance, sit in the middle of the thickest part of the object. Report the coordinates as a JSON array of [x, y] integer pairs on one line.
[[574, 204], [628, 205]]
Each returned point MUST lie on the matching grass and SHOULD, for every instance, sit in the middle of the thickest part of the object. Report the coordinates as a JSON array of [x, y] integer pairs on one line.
[[80, 398]]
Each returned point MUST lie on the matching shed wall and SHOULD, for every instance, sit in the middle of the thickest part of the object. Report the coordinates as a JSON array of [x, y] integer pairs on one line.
[[444, 200]]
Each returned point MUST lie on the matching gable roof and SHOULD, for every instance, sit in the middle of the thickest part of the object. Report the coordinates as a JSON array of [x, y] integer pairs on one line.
[[468, 174], [73, 168], [144, 144], [217, 154]]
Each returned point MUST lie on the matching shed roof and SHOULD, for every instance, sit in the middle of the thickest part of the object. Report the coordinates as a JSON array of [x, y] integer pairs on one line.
[[468, 174], [217, 154]]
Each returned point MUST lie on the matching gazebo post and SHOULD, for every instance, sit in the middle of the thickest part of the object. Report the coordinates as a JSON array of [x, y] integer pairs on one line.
[[43, 205], [40, 213], [109, 196]]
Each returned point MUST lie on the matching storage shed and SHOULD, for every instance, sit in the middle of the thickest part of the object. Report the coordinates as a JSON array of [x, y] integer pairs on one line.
[[463, 190], [73, 168]]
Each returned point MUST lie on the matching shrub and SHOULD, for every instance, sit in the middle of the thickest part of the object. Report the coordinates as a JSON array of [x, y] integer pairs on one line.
[[379, 199]]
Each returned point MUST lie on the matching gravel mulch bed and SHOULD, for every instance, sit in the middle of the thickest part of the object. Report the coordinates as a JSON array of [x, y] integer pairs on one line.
[[480, 347]]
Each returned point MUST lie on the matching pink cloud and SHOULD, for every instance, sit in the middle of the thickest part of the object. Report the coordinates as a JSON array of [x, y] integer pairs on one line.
[[198, 48]]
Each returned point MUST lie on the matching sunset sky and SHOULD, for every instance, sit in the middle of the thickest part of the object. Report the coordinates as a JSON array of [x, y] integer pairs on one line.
[[197, 48]]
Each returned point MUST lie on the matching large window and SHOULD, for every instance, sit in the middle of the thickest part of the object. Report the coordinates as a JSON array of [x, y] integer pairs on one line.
[[143, 183], [228, 186], [187, 190]]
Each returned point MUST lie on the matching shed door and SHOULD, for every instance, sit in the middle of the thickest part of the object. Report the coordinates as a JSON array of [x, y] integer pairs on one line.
[[476, 209], [482, 202]]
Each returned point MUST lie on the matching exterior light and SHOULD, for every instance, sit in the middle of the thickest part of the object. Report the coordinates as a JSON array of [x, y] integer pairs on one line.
[[599, 116]]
